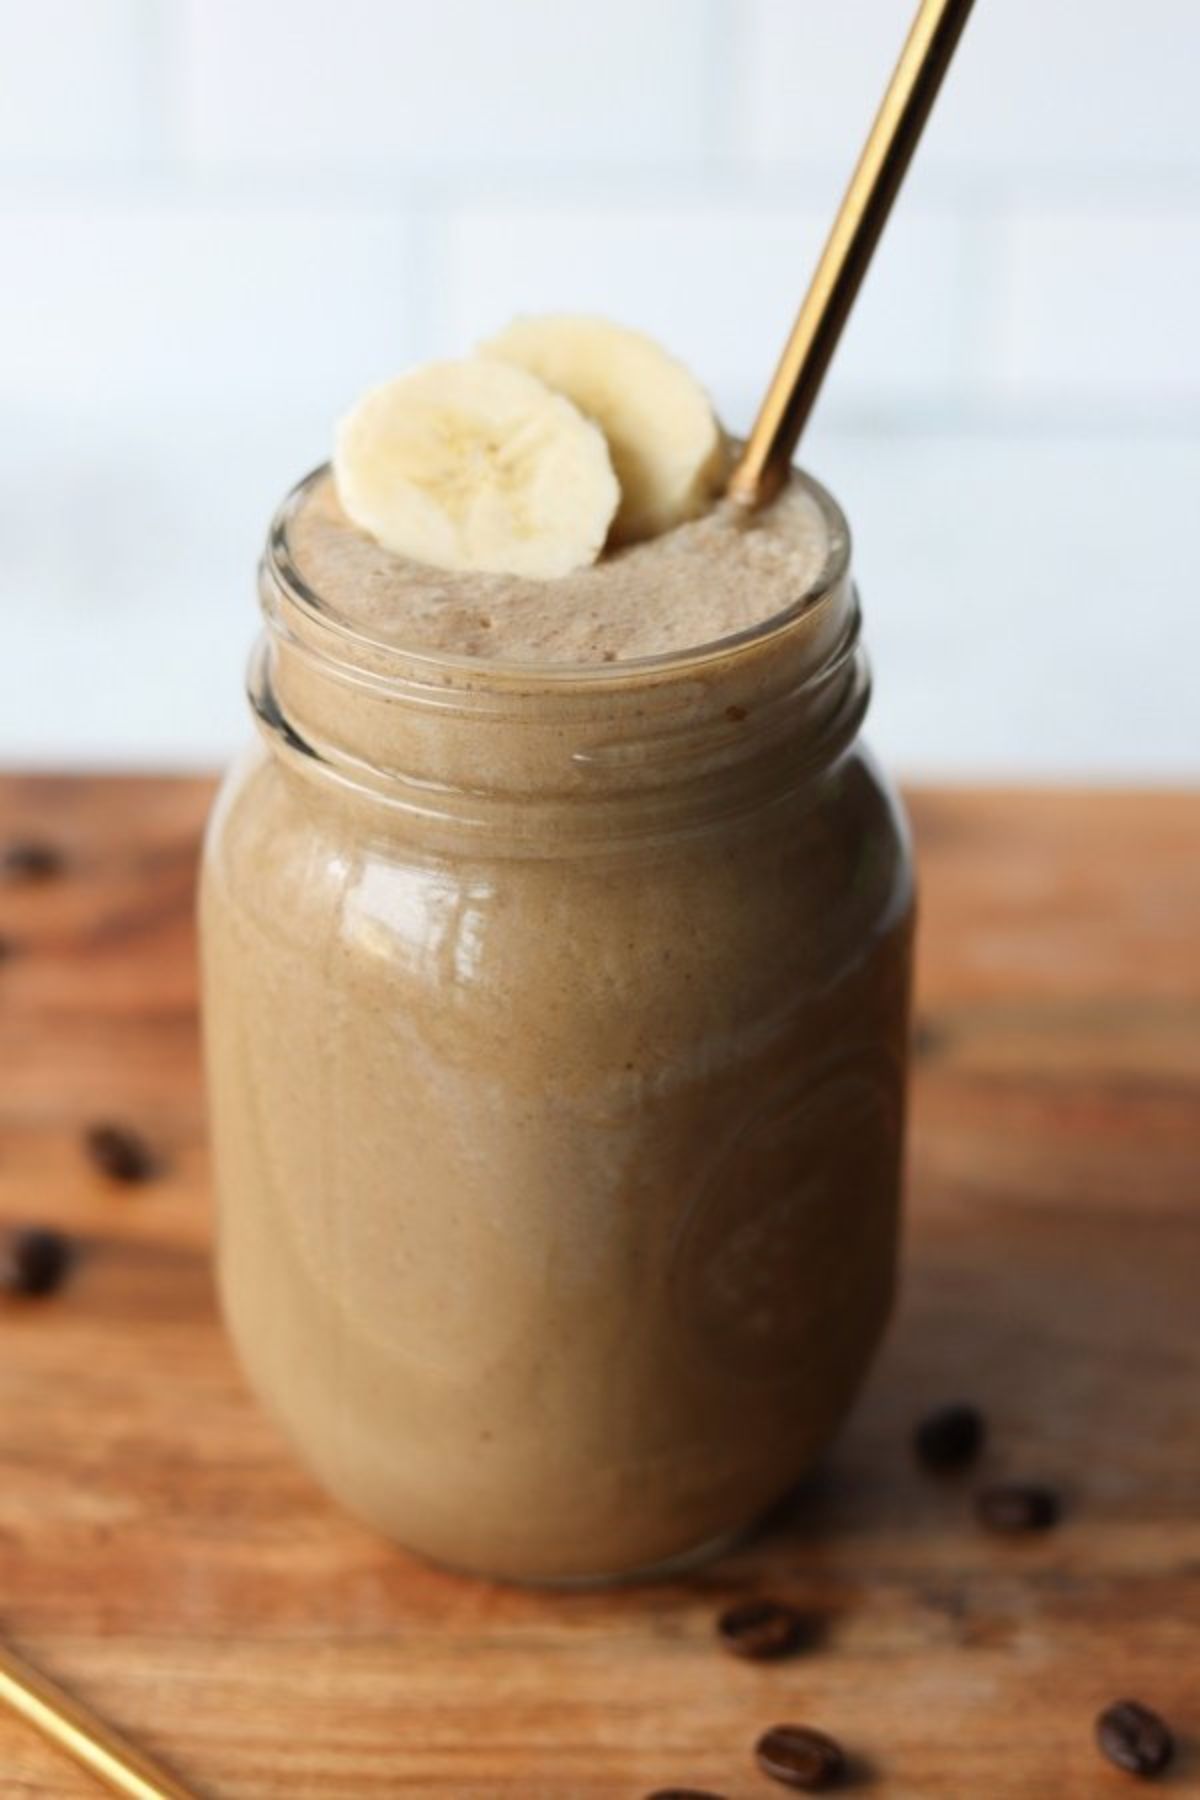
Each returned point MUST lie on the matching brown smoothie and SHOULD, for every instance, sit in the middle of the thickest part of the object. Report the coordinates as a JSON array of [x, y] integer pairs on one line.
[[708, 579], [556, 973]]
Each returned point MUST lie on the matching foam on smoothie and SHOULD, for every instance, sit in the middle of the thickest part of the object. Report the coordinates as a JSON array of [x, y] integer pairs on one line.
[[702, 581]]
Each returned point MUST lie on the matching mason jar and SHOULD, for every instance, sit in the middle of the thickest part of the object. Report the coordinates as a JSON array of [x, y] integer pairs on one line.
[[556, 1026]]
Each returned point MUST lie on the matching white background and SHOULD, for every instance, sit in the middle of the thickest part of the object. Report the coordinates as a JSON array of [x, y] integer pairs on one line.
[[220, 219]]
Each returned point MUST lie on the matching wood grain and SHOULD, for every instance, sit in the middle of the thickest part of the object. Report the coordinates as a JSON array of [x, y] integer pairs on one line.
[[161, 1554]]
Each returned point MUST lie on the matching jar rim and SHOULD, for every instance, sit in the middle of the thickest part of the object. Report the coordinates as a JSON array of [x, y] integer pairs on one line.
[[563, 677]]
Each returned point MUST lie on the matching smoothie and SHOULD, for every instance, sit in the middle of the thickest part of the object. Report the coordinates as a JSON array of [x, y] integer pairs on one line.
[[557, 944], [707, 579]]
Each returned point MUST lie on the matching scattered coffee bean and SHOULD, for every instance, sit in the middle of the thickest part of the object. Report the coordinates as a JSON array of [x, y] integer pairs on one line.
[[950, 1438], [120, 1153], [682, 1794], [800, 1757], [761, 1629], [1016, 1506], [1134, 1738], [30, 859], [34, 1261]]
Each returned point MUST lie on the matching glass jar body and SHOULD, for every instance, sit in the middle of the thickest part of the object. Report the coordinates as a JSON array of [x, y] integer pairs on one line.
[[558, 1182]]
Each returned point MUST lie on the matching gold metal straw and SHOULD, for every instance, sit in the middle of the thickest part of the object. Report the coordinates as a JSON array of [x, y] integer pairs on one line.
[[763, 466], [99, 1749]]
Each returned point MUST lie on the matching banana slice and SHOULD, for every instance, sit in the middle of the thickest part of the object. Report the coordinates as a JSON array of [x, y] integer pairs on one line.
[[667, 445], [476, 465]]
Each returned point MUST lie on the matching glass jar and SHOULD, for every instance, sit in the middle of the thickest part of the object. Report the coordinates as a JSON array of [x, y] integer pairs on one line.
[[556, 1029]]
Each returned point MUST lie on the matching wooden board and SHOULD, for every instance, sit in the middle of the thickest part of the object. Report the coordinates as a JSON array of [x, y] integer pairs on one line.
[[161, 1554]]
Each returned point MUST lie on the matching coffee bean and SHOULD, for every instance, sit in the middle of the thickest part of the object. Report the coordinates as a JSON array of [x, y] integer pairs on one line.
[[1134, 1738], [682, 1794], [120, 1153], [1016, 1506], [950, 1438], [761, 1629], [30, 859], [33, 1261], [800, 1757]]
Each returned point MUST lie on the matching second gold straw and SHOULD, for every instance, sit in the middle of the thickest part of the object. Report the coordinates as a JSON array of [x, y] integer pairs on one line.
[[117, 1764]]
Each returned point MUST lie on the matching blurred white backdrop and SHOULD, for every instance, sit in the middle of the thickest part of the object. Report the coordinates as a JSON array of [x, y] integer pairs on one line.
[[223, 218]]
